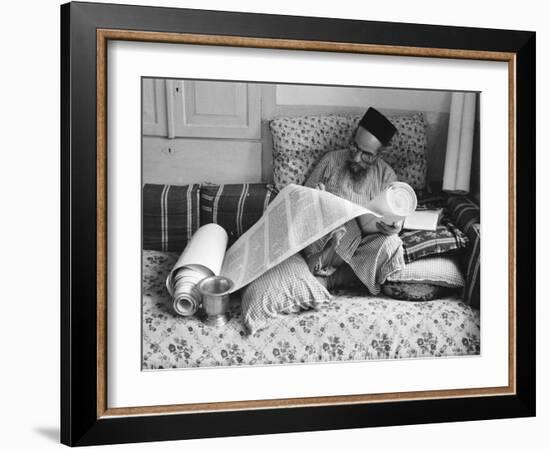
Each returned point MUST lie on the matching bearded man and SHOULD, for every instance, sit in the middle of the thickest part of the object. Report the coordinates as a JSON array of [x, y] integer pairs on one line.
[[351, 254]]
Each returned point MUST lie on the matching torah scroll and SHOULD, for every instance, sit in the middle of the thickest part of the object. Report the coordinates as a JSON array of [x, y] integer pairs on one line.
[[297, 217]]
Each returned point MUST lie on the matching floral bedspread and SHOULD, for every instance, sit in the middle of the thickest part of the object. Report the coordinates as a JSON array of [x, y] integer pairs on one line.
[[350, 327]]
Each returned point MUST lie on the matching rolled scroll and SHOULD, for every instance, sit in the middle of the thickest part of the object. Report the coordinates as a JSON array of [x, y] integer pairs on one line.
[[203, 256], [394, 203]]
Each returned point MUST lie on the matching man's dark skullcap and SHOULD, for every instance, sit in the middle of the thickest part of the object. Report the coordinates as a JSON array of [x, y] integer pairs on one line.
[[378, 125]]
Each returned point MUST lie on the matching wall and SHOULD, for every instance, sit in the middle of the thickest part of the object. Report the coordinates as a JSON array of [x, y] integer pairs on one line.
[[184, 160], [399, 99]]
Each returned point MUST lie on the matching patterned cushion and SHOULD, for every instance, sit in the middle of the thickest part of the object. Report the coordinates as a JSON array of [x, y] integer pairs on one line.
[[287, 288], [465, 213], [444, 271], [446, 239], [170, 216], [235, 207], [299, 142], [415, 291]]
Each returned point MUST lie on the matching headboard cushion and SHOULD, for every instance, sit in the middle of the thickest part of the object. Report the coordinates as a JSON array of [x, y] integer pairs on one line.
[[299, 142]]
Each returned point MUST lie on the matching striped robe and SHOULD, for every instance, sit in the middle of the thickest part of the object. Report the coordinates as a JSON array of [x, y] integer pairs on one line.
[[372, 257]]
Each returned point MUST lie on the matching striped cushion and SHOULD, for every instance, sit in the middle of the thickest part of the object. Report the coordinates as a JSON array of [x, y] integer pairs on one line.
[[430, 200], [446, 239], [235, 207], [472, 269], [170, 216], [287, 288], [465, 213]]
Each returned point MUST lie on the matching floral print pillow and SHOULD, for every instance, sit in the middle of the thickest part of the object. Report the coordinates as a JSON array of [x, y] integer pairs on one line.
[[299, 142]]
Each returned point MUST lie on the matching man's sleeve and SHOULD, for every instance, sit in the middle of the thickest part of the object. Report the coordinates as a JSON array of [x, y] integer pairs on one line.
[[318, 173], [388, 176]]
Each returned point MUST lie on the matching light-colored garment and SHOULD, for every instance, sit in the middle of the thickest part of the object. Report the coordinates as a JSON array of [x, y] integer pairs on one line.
[[372, 257], [333, 172]]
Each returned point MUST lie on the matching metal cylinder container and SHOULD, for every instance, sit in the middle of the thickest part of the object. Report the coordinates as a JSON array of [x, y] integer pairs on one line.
[[215, 299]]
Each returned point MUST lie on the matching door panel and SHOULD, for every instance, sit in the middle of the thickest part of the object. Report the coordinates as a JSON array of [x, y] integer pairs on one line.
[[154, 107], [216, 109]]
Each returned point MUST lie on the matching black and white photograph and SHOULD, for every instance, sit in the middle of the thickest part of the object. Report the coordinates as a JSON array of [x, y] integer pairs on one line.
[[301, 223]]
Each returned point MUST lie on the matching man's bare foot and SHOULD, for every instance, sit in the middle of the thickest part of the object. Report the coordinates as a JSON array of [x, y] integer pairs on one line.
[[320, 186], [323, 280], [324, 263], [343, 277]]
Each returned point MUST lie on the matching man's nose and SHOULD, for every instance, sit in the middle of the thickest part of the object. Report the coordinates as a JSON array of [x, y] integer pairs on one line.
[[357, 157]]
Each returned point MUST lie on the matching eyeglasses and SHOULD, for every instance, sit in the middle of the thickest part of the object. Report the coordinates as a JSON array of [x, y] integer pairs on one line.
[[367, 157]]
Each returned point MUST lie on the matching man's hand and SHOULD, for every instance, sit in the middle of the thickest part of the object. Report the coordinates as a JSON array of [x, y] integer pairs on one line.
[[320, 186], [387, 229]]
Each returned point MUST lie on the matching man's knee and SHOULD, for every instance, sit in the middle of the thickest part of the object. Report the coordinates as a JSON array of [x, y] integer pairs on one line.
[[394, 239], [374, 245], [381, 239]]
